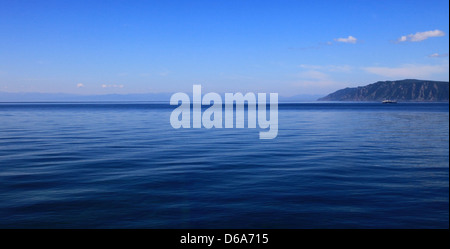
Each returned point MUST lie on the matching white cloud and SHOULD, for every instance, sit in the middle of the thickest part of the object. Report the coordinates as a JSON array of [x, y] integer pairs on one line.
[[408, 71], [436, 55], [349, 39], [420, 36], [79, 85], [112, 86]]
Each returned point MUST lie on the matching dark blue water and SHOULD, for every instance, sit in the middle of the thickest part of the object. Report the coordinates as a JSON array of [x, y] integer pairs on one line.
[[122, 165]]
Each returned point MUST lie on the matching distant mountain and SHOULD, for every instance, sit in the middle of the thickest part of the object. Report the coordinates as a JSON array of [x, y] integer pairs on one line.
[[400, 90], [64, 97], [160, 97]]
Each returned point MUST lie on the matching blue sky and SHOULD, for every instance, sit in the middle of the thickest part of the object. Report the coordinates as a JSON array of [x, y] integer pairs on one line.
[[289, 47]]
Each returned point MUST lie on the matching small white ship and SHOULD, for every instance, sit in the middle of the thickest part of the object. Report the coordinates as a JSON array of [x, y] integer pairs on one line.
[[387, 101]]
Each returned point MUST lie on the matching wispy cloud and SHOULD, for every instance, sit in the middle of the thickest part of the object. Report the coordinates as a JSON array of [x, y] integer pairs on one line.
[[164, 73], [313, 82], [342, 68], [79, 85], [313, 78], [311, 86], [112, 86], [314, 75], [329, 68], [237, 77], [319, 77], [408, 71], [312, 67], [421, 36], [436, 55], [349, 39]]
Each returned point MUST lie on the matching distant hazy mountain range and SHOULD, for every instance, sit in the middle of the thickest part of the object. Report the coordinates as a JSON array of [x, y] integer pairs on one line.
[[160, 97], [64, 97], [401, 90]]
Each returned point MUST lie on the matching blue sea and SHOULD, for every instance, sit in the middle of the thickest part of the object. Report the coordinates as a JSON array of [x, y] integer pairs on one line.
[[122, 165]]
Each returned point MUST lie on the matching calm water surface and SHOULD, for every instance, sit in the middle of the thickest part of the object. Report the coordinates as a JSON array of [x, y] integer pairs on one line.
[[122, 165]]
